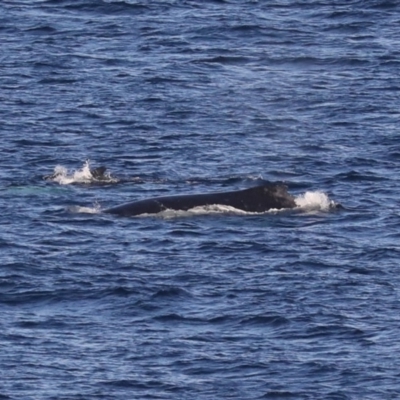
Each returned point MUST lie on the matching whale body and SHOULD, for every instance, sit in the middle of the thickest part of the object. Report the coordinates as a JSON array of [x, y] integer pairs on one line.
[[256, 199]]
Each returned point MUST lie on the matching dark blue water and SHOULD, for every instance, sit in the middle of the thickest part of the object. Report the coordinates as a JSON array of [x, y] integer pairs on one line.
[[191, 97]]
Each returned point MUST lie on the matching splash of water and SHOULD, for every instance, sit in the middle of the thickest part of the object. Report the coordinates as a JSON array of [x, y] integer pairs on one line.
[[62, 176], [314, 201], [96, 209]]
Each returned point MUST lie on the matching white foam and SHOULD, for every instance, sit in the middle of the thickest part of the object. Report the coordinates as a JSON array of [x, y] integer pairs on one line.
[[96, 209], [62, 176], [314, 201], [205, 210]]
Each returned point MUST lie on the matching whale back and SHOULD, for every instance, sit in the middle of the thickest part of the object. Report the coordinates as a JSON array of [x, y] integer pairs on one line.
[[256, 199], [263, 198]]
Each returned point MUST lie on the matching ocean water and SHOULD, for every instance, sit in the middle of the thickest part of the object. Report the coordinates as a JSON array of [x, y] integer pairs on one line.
[[193, 97]]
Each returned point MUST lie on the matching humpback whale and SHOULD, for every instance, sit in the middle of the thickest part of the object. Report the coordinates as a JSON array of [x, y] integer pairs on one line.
[[256, 199], [99, 173]]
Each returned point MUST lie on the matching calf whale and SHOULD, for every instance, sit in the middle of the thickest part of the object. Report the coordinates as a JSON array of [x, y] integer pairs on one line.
[[256, 199]]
